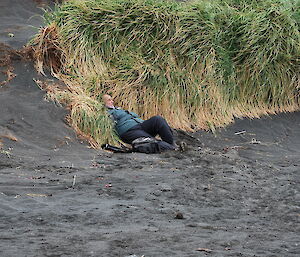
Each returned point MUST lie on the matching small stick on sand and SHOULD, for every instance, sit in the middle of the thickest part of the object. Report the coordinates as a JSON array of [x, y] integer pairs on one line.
[[240, 132], [74, 180], [204, 250]]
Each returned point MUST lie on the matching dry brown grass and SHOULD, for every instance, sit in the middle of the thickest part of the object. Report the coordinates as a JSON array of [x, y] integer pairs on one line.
[[48, 53]]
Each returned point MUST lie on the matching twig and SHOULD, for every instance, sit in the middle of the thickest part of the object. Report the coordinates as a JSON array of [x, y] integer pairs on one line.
[[74, 180], [240, 132], [204, 250]]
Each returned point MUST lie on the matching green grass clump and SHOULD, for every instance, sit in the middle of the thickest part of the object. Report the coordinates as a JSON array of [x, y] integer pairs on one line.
[[199, 64]]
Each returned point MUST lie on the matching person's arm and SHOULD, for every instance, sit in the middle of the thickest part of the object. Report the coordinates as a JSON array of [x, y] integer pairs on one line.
[[112, 114], [118, 113], [134, 114]]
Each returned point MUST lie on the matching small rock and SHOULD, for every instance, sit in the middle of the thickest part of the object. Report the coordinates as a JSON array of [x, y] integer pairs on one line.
[[165, 188], [156, 193], [179, 216]]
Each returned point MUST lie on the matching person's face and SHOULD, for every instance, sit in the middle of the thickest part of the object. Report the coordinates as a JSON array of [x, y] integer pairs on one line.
[[108, 101]]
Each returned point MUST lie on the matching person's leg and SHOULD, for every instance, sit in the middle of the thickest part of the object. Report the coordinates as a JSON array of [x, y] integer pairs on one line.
[[157, 125], [134, 133], [165, 146], [137, 132]]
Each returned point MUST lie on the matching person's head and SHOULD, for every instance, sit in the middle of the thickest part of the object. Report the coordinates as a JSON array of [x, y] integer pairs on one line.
[[108, 101]]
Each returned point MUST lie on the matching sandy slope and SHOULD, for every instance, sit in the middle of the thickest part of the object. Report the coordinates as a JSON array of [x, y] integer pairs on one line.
[[238, 194]]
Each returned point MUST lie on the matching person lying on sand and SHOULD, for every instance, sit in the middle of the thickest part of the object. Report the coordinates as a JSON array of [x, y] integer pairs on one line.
[[130, 126]]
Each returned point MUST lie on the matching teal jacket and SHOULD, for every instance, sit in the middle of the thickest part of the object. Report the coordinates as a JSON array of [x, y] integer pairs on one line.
[[124, 120]]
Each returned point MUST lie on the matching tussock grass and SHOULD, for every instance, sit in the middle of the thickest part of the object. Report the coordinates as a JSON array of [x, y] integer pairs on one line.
[[199, 64]]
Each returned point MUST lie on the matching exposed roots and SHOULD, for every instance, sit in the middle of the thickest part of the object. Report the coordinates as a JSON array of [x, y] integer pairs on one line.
[[6, 56]]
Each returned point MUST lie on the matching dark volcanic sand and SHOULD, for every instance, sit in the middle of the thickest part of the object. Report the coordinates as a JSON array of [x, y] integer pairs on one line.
[[229, 195]]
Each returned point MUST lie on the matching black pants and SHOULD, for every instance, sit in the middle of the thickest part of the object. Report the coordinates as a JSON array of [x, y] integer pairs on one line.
[[150, 128]]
